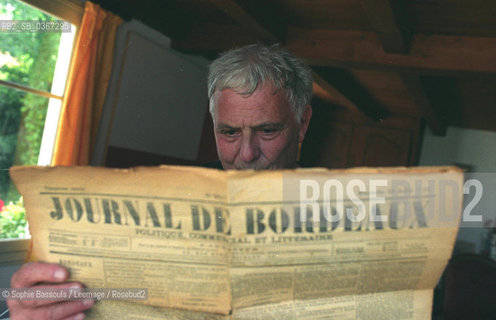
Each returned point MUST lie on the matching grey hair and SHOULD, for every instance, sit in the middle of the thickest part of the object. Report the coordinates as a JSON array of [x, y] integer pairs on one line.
[[247, 68]]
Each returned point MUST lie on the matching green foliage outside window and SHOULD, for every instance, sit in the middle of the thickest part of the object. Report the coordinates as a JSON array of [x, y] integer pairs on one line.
[[22, 115], [13, 221]]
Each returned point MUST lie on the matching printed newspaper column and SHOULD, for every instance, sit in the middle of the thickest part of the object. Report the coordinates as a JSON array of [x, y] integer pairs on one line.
[[154, 228], [369, 243]]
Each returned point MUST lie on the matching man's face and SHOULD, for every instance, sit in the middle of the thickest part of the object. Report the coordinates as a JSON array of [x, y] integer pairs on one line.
[[257, 131]]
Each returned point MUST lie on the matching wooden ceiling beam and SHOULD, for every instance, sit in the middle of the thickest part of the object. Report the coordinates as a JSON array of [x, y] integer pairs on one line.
[[328, 82], [353, 91], [331, 94], [429, 54], [256, 19], [416, 90], [394, 32], [251, 21], [208, 39], [391, 24]]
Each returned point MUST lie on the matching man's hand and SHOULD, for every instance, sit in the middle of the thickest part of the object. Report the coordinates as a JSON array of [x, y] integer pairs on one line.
[[45, 275]]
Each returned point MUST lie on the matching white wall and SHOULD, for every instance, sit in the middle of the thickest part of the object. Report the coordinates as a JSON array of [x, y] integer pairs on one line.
[[477, 149], [466, 146]]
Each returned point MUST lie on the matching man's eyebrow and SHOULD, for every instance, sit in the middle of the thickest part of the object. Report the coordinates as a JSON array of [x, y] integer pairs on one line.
[[272, 125], [224, 126]]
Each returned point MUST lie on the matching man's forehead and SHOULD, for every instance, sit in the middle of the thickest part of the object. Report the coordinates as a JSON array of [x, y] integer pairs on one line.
[[250, 118], [261, 106]]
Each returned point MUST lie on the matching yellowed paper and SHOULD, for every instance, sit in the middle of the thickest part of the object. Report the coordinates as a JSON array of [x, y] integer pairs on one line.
[[234, 245]]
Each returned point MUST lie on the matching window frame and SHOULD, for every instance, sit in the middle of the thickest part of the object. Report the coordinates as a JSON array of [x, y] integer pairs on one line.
[[69, 10]]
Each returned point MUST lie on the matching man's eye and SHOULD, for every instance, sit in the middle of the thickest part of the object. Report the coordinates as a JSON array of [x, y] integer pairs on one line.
[[268, 132], [229, 133]]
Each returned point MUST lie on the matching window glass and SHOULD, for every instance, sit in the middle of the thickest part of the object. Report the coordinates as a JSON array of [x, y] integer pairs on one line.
[[29, 49]]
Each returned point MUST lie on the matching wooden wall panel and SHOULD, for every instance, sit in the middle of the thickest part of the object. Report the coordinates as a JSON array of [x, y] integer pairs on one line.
[[342, 140], [377, 147]]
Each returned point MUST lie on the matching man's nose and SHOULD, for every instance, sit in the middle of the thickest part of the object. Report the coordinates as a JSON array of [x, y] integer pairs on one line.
[[250, 149]]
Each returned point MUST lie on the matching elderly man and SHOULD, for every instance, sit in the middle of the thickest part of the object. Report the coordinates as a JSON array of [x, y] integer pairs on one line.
[[260, 104]]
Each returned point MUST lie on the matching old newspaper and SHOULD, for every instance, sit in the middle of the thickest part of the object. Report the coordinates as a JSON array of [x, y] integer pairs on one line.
[[207, 244]]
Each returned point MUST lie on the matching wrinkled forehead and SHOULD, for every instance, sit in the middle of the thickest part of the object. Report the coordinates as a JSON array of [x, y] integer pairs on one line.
[[266, 104]]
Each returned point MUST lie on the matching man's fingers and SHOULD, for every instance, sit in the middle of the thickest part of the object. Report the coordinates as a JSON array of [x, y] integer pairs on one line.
[[77, 316], [32, 273], [62, 310], [46, 278]]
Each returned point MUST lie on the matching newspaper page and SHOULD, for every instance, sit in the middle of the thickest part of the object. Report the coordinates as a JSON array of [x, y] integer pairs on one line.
[[338, 265], [207, 244]]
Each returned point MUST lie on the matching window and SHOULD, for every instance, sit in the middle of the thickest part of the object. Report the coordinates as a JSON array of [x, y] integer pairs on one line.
[[35, 51]]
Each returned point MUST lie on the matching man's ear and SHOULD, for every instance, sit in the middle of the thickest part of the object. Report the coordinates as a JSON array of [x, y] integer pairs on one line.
[[304, 122]]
